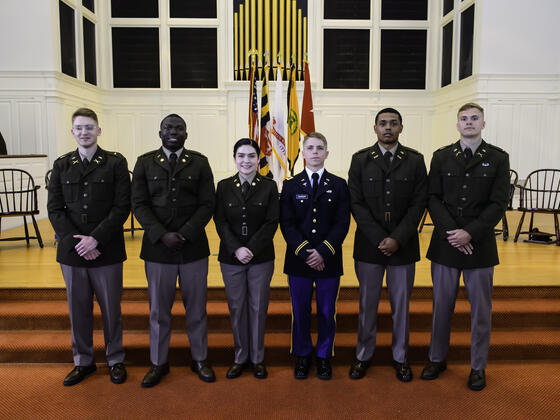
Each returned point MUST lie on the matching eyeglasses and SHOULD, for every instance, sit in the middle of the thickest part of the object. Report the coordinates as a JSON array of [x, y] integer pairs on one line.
[[87, 127]]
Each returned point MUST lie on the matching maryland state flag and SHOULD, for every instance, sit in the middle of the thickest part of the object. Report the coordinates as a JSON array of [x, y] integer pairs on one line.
[[279, 164], [307, 116], [265, 144], [293, 122], [253, 106]]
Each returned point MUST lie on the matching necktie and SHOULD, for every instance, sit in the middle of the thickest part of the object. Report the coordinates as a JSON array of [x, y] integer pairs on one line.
[[468, 154], [315, 178], [173, 160], [245, 188], [85, 162], [387, 157]]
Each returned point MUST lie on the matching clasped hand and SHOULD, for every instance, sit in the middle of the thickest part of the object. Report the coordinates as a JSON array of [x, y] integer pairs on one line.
[[173, 240], [87, 247], [243, 254], [315, 260], [461, 240]]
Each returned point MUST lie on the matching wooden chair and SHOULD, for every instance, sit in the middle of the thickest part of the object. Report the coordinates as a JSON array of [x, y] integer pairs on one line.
[[132, 228], [18, 197], [540, 194], [513, 177]]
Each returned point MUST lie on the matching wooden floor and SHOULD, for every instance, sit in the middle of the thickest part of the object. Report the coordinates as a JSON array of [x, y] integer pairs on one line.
[[522, 264]]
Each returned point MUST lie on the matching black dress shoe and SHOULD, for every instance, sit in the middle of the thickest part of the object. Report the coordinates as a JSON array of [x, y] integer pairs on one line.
[[404, 373], [78, 374], [324, 370], [358, 369], [259, 370], [154, 375], [477, 380], [117, 373], [236, 370], [302, 367], [433, 369], [204, 370]]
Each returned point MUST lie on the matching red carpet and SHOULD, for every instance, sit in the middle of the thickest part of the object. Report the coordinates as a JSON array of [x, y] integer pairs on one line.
[[514, 391]]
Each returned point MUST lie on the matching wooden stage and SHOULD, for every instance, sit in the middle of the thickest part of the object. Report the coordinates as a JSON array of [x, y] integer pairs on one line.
[[522, 264]]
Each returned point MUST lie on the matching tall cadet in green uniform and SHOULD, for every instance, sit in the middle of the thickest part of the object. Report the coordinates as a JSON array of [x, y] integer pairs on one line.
[[388, 188], [173, 199], [89, 200], [468, 193], [246, 219]]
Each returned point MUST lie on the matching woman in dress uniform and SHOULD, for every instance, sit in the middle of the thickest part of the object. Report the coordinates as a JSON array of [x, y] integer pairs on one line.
[[246, 217]]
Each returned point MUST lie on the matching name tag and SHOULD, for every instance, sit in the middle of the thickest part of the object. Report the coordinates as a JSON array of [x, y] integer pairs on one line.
[[302, 196]]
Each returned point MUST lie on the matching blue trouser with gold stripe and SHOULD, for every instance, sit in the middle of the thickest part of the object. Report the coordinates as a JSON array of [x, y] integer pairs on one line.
[[301, 291]]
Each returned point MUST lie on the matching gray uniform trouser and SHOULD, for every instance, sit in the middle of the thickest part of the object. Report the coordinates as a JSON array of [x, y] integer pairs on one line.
[[478, 283], [81, 283], [247, 290], [162, 283], [400, 279]]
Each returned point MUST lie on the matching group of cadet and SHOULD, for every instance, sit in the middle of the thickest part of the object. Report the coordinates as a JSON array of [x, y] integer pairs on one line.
[[173, 197]]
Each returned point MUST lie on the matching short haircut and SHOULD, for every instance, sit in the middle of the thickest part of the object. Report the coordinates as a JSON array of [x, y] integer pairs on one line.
[[316, 135], [85, 112], [246, 142], [470, 105], [388, 110], [173, 115]]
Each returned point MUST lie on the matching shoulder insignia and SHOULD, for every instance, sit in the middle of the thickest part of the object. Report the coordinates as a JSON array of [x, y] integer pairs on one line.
[[189, 152], [150, 153], [64, 156], [411, 150], [365, 149], [115, 154], [446, 147]]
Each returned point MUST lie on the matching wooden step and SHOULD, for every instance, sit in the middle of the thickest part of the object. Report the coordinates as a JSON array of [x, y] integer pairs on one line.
[[507, 315], [54, 347]]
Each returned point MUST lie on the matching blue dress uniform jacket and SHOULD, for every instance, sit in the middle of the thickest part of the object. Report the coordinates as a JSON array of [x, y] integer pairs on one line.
[[319, 222], [469, 196], [181, 201], [250, 222], [387, 202], [93, 201]]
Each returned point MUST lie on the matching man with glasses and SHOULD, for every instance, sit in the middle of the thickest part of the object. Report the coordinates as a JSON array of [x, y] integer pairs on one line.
[[88, 202]]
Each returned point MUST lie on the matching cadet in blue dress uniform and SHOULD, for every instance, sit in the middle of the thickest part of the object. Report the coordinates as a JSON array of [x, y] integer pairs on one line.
[[388, 186], [89, 200], [246, 218], [314, 219], [469, 188]]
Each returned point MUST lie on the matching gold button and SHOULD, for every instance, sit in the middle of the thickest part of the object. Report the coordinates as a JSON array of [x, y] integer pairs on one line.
[[313, 231], [314, 220]]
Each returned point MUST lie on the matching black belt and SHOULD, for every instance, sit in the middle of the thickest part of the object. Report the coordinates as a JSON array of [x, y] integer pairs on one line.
[[461, 212], [388, 217]]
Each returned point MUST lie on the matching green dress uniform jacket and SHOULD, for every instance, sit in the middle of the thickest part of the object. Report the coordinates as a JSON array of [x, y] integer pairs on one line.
[[92, 201], [469, 196], [250, 222], [181, 201], [387, 202]]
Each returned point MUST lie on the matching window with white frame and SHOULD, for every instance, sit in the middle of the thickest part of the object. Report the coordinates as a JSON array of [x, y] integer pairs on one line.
[[78, 39], [457, 40], [375, 44], [165, 43]]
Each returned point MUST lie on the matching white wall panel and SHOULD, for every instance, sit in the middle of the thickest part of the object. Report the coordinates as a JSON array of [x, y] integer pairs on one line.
[[29, 121]]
